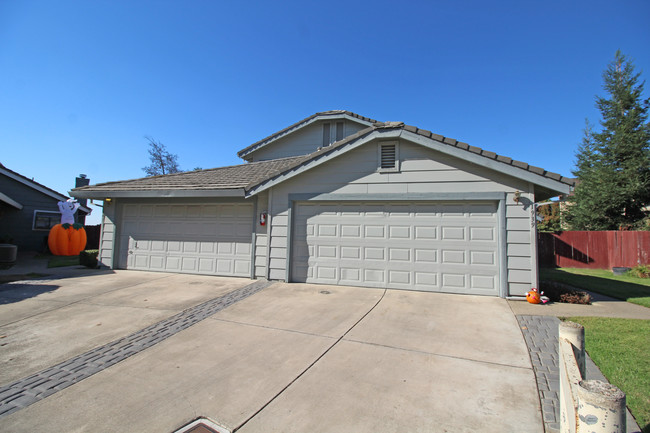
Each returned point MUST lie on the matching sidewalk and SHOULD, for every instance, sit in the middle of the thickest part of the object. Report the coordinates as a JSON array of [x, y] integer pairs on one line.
[[601, 306]]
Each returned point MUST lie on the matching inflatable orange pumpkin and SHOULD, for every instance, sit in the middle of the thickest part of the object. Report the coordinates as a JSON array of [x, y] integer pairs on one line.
[[67, 239]]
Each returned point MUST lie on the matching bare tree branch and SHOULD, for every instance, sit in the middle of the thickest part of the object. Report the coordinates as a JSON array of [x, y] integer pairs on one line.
[[162, 162]]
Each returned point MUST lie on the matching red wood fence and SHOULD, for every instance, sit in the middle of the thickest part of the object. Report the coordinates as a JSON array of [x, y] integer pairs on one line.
[[596, 250]]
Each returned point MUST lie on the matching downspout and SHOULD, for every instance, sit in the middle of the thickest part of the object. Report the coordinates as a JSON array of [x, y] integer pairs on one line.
[[254, 238], [533, 241], [269, 223]]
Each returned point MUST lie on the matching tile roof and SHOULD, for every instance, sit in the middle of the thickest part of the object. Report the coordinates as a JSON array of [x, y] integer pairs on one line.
[[299, 124], [428, 134], [232, 177], [249, 175], [490, 155]]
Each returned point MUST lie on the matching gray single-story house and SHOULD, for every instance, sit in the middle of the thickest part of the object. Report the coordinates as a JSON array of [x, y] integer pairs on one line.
[[338, 198], [28, 210]]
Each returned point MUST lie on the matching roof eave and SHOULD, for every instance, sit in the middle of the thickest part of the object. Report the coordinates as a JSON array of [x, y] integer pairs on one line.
[[11, 202], [157, 193], [494, 162]]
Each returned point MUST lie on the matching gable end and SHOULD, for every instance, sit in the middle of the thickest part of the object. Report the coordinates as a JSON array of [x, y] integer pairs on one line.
[[335, 118]]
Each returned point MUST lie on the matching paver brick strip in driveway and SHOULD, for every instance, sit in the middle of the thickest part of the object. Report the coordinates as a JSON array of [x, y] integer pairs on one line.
[[71, 316], [29, 390]]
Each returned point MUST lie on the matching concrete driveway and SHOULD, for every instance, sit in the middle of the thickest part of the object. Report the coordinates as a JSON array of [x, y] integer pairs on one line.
[[288, 358]]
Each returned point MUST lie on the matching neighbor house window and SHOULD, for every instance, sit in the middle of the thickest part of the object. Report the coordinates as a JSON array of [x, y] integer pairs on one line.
[[45, 220], [388, 156]]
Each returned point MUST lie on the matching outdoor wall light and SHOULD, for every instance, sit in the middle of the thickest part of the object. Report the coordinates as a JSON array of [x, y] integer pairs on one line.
[[108, 200], [517, 197]]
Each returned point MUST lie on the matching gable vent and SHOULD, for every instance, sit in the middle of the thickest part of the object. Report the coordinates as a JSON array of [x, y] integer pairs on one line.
[[388, 155], [326, 135]]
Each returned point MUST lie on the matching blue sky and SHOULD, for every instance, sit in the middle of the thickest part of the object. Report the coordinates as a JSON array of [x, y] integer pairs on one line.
[[83, 82]]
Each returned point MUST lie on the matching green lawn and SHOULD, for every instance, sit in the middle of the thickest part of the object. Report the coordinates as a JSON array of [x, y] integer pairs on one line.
[[59, 261], [621, 349], [627, 288]]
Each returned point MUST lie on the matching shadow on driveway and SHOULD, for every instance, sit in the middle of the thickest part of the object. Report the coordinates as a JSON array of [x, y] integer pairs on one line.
[[19, 291]]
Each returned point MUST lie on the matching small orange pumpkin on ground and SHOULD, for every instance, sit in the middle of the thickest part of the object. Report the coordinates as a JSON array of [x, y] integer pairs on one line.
[[534, 297], [67, 239]]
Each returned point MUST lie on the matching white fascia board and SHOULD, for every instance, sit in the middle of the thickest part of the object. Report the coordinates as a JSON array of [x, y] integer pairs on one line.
[[169, 193], [318, 160], [487, 162], [11, 202], [307, 123]]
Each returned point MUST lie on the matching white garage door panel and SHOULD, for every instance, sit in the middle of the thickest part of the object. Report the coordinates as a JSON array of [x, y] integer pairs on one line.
[[448, 247], [201, 239]]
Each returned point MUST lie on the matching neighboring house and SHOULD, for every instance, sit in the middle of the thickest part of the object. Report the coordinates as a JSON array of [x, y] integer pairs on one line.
[[28, 210], [338, 198]]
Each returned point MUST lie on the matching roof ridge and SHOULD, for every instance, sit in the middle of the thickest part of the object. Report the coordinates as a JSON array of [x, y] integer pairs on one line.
[[247, 149], [317, 153]]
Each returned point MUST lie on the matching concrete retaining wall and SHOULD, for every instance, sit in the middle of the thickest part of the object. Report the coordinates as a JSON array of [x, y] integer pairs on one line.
[[585, 405]]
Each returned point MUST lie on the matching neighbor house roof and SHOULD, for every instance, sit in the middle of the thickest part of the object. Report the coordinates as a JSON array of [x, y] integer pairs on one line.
[[323, 115], [31, 183], [251, 178]]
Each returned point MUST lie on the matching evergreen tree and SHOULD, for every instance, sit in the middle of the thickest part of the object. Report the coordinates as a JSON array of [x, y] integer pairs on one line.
[[550, 216], [613, 165]]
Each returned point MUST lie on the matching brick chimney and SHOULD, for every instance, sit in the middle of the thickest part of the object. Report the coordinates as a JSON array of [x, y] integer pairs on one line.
[[81, 180]]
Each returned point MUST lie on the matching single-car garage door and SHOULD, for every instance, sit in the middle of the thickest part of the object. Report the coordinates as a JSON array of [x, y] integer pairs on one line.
[[210, 239], [445, 247]]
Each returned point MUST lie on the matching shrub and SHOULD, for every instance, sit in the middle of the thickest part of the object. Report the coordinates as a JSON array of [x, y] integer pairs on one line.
[[558, 292], [6, 239], [88, 258], [640, 271]]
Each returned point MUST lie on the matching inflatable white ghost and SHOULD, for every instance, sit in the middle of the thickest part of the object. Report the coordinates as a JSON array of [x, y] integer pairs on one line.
[[67, 209]]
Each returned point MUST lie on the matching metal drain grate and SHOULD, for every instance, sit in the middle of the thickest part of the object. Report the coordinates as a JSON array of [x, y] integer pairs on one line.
[[202, 425], [201, 428]]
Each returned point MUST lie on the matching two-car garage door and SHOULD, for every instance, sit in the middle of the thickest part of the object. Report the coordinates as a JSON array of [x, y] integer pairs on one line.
[[447, 247], [431, 246], [212, 239]]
